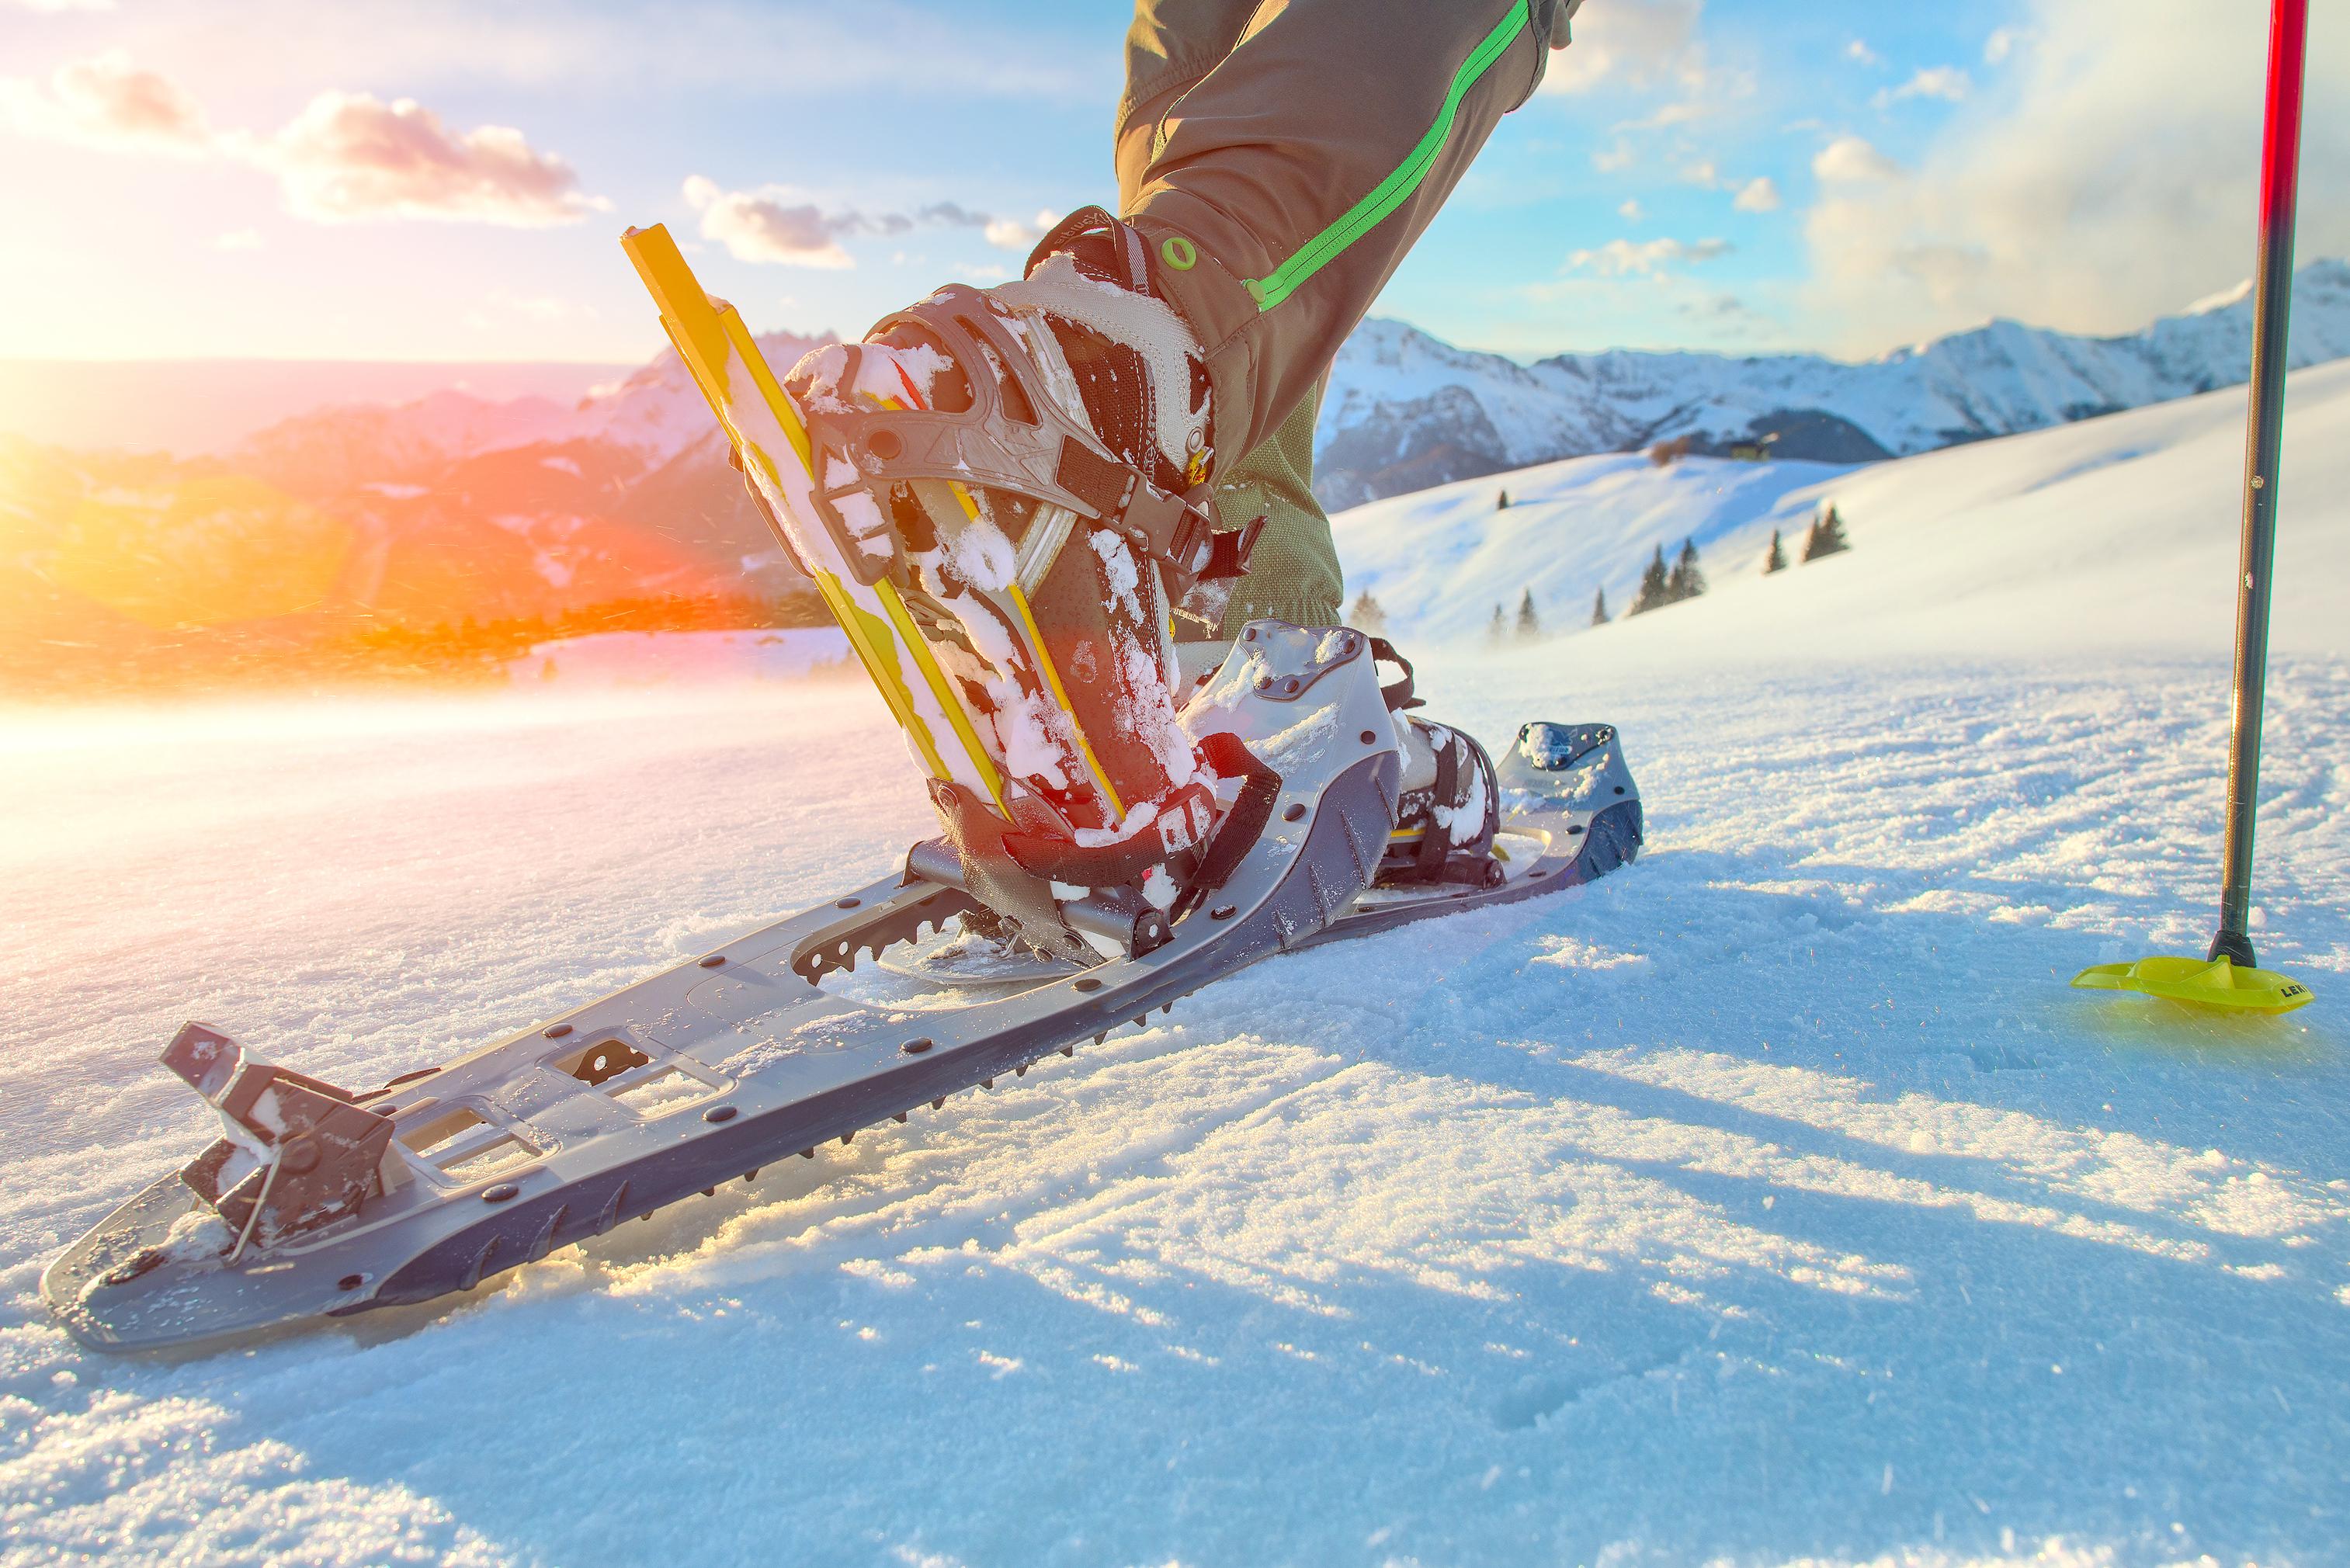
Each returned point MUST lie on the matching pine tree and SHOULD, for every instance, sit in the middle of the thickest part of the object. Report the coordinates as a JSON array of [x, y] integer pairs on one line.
[[1599, 607], [1367, 616], [1654, 594], [1503, 505], [1529, 623], [1685, 581], [1496, 628], [1776, 561], [1826, 537]]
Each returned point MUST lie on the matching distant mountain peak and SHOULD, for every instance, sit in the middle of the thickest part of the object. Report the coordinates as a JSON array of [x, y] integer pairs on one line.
[[1405, 410]]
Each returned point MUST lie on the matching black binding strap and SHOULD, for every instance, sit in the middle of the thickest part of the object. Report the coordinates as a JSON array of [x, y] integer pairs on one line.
[[1261, 786], [1398, 695], [1435, 841], [1227, 555]]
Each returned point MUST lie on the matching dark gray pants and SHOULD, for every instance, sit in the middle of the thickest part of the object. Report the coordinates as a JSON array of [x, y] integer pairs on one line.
[[1280, 157]]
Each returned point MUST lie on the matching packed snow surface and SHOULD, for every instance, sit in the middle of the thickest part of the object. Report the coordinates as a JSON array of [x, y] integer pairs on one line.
[[1771, 1201]]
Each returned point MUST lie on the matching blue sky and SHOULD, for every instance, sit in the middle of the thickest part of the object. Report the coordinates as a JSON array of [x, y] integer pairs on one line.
[[191, 177]]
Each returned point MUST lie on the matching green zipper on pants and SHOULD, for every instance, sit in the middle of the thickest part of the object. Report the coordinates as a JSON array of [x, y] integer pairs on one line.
[[1393, 191]]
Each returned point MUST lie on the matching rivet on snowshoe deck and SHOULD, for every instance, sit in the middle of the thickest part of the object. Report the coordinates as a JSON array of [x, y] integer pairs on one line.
[[500, 1193], [714, 961], [719, 1114], [1088, 982], [915, 1047], [558, 1030]]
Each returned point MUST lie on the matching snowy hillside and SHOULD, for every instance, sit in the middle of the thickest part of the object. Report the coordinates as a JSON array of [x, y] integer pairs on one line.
[[1770, 1202], [2111, 532], [1404, 411]]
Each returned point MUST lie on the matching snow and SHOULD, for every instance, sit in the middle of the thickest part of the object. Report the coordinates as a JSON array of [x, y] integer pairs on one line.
[[653, 659], [1769, 1201], [2113, 532]]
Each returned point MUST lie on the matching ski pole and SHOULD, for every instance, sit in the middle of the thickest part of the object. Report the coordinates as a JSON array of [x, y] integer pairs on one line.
[[2263, 441]]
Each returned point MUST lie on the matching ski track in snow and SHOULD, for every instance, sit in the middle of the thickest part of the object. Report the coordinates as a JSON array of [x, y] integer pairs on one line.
[[1771, 1201]]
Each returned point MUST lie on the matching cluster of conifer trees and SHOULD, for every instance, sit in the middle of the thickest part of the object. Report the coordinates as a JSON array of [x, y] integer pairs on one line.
[[1660, 584]]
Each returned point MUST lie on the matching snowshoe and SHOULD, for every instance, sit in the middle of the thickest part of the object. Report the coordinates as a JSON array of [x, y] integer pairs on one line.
[[1104, 852]]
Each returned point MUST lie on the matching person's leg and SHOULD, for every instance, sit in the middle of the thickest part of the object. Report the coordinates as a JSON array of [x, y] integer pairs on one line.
[[1166, 118], [1284, 185], [1294, 570]]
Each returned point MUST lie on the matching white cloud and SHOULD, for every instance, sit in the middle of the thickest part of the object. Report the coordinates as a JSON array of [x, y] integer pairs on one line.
[[1850, 160], [346, 156], [775, 225], [765, 225], [1644, 258], [1667, 116], [1859, 51], [1703, 172], [1948, 83], [108, 101], [1760, 194], [350, 157], [1631, 212], [2004, 42], [1629, 43], [1614, 159], [2107, 176]]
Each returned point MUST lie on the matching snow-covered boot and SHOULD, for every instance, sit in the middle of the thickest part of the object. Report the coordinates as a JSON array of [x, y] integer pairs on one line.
[[1027, 466]]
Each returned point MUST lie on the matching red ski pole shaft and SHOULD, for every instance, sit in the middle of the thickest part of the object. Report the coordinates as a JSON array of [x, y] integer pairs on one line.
[[2264, 442]]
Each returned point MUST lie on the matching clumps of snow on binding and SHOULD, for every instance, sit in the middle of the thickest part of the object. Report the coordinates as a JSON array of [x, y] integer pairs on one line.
[[1463, 823], [196, 1237], [198, 1241], [1150, 710], [856, 505], [1119, 574], [1031, 733], [982, 556], [1295, 748]]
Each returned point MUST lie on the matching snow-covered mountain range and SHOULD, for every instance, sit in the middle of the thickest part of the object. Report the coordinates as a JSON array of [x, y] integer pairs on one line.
[[2102, 534], [1405, 411], [456, 507]]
